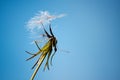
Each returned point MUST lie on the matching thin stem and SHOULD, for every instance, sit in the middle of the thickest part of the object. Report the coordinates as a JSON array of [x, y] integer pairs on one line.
[[39, 64]]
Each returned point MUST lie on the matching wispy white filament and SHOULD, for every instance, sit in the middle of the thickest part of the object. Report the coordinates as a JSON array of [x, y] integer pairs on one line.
[[43, 17]]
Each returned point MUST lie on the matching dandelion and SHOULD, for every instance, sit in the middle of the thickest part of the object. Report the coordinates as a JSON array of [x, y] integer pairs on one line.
[[34, 25]]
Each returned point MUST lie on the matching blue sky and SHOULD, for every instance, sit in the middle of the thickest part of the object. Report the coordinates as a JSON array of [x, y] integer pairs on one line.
[[90, 31]]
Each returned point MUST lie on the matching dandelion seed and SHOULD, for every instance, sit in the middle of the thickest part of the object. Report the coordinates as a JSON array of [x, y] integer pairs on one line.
[[43, 17]]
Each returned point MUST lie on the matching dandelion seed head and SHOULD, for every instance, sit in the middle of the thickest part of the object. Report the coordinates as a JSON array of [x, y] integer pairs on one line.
[[42, 17]]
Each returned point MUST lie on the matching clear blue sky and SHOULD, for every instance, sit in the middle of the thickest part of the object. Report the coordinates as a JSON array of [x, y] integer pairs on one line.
[[90, 31]]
